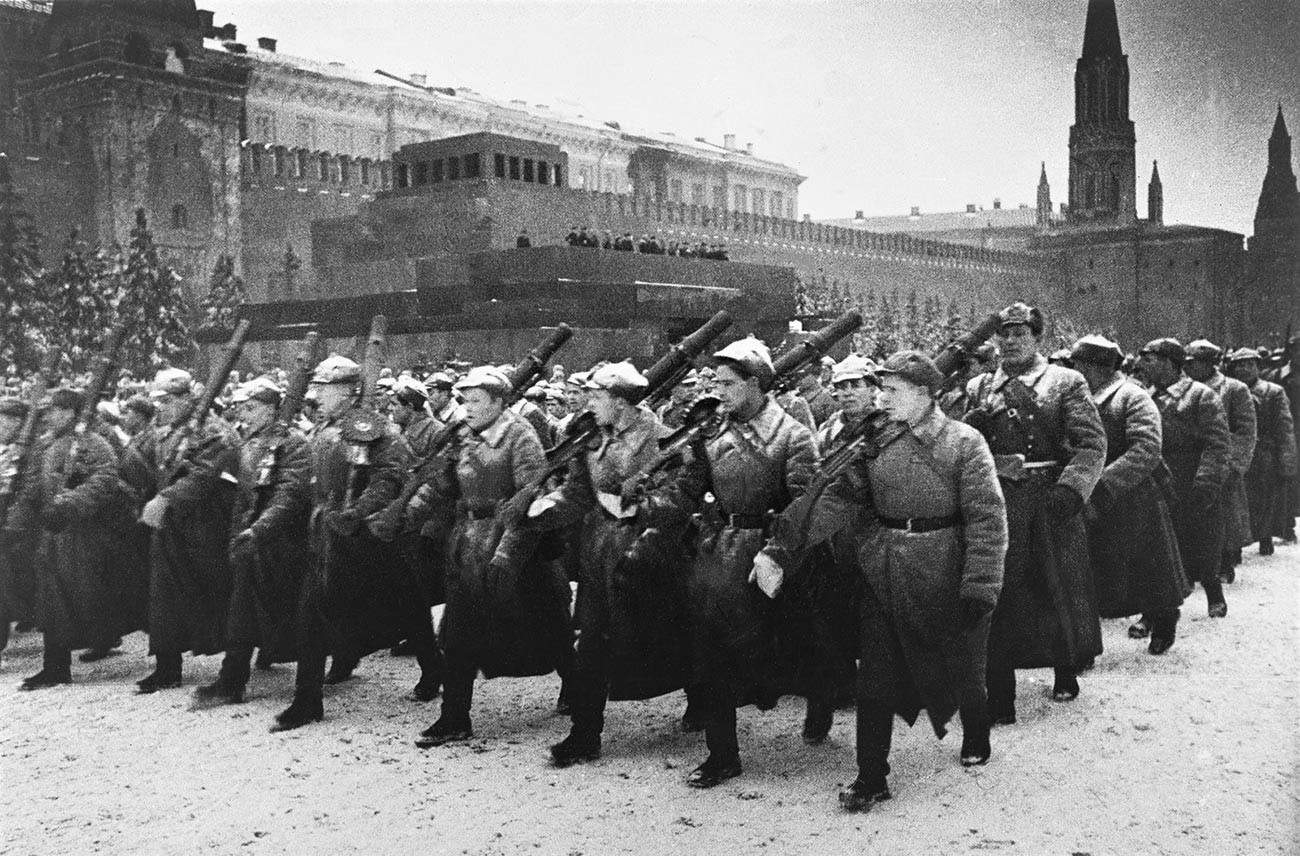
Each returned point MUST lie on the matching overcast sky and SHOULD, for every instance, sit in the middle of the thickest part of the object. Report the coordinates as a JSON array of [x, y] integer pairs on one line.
[[883, 104]]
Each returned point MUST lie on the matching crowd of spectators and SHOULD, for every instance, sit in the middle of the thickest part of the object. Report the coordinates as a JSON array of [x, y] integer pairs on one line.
[[647, 245]]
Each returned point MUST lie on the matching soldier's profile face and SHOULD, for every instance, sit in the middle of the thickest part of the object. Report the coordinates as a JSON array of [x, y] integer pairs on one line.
[[604, 407], [734, 390], [902, 399], [1017, 343]]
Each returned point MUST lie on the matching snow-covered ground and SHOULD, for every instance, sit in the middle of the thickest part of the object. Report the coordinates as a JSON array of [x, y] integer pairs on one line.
[[1195, 752]]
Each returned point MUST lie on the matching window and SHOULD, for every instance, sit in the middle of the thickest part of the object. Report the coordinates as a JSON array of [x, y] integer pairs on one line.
[[675, 190], [559, 175], [437, 171], [528, 169], [255, 159], [401, 175], [277, 160], [300, 164], [778, 203], [719, 196], [345, 170], [365, 171], [420, 175], [180, 217], [453, 169], [740, 197], [759, 201], [473, 165], [543, 172], [697, 194], [323, 167], [514, 168], [499, 166]]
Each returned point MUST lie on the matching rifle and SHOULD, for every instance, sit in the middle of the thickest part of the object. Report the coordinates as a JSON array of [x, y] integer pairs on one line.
[[89, 412], [661, 377], [386, 522], [298, 383], [195, 413], [363, 425], [16, 463], [786, 369], [868, 435]]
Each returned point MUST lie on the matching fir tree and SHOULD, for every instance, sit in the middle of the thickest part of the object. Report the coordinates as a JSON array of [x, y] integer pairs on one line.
[[912, 327], [83, 293], [226, 293], [887, 342], [152, 306], [24, 306]]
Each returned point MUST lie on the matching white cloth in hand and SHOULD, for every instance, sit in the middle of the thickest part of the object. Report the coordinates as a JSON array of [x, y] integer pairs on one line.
[[767, 574]]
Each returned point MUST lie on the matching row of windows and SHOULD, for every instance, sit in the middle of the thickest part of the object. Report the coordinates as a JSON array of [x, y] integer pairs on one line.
[[421, 173], [322, 166], [756, 201]]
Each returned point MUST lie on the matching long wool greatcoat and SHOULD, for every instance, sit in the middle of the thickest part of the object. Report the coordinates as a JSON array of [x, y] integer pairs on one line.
[[509, 618], [189, 575], [1047, 613], [1195, 446], [1135, 560], [273, 499], [632, 607], [751, 468], [1240, 406], [1274, 463], [83, 588], [363, 590], [914, 651]]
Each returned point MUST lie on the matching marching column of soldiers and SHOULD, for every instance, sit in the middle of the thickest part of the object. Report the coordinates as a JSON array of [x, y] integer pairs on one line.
[[903, 536]]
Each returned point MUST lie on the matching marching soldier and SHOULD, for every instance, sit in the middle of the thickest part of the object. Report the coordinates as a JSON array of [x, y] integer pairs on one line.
[[1049, 445], [1196, 446], [631, 609], [505, 615], [352, 599], [981, 361], [1131, 540], [673, 411], [1202, 365], [1274, 463], [18, 532], [758, 462], [189, 519], [442, 401], [1288, 377], [934, 540], [82, 508], [268, 548]]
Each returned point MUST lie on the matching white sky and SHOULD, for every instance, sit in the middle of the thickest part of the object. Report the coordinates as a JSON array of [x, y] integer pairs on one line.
[[883, 104]]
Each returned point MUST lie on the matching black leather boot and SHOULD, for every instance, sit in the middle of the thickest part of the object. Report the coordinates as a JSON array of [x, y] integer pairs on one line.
[[817, 721], [1163, 632], [341, 669], [1002, 697], [49, 676], [166, 675], [447, 729], [975, 748], [582, 744], [1066, 685], [875, 731], [217, 693], [303, 711]]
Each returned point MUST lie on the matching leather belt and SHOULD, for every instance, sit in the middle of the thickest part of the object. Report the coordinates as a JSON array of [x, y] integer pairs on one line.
[[921, 524], [745, 521]]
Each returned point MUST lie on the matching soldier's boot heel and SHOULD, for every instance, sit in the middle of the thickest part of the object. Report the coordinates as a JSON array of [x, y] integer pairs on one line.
[[1066, 685], [303, 711]]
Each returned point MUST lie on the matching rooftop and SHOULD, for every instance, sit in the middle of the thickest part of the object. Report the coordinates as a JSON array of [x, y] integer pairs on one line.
[[972, 219]]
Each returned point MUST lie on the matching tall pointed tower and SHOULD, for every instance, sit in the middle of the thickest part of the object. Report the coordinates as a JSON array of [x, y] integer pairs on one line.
[[1103, 166], [1044, 219], [1273, 260], [1155, 197]]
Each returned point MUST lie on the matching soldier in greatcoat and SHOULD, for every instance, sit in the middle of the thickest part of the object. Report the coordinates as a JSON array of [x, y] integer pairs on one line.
[[18, 533], [82, 508], [506, 614], [268, 544], [353, 599], [189, 519], [1136, 565], [933, 541], [1195, 445], [1288, 377], [1050, 447], [1203, 358], [1274, 464], [760, 460], [633, 638]]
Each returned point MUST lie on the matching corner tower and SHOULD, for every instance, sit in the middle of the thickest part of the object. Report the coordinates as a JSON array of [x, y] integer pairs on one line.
[[1103, 165]]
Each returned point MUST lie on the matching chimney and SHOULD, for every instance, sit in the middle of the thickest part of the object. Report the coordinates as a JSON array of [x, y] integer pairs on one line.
[[857, 215], [807, 218], [729, 142], [916, 211], [419, 79], [749, 148], [226, 32], [205, 22], [997, 204], [970, 207], [266, 44]]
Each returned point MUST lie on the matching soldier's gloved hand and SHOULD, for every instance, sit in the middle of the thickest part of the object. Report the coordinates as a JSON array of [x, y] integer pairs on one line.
[[57, 515], [154, 512], [243, 546], [1102, 499], [1063, 502], [973, 611], [346, 522], [767, 574]]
